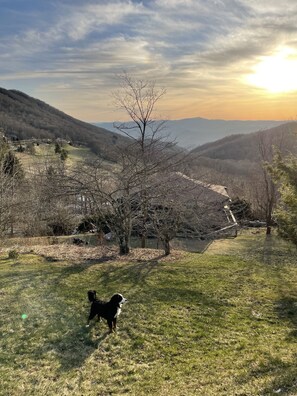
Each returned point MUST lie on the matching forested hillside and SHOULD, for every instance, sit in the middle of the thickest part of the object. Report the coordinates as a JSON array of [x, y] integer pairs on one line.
[[237, 162], [23, 117], [246, 146], [239, 155]]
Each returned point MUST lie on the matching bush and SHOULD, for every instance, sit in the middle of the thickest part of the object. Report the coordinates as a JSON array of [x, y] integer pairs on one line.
[[94, 223], [64, 154], [13, 254]]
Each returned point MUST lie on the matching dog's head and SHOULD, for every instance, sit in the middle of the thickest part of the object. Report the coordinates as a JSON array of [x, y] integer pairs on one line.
[[92, 295], [118, 299]]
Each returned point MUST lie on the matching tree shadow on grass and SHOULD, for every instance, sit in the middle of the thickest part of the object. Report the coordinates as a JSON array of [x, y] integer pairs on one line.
[[267, 250], [285, 382], [133, 274], [87, 262], [286, 309], [281, 376]]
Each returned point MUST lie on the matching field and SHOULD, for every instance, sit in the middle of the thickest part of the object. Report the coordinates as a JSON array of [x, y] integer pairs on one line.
[[45, 153], [219, 323]]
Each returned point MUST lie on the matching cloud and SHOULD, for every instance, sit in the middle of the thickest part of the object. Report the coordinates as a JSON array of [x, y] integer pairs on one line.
[[90, 18], [192, 47]]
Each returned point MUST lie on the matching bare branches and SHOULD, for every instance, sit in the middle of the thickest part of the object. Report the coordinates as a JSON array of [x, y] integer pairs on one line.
[[138, 99]]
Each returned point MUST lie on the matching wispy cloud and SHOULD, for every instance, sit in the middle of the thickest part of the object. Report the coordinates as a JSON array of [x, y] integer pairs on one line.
[[197, 49]]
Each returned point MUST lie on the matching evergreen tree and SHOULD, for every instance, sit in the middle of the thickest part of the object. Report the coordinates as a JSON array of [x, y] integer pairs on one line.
[[57, 148], [11, 199], [284, 171], [63, 154], [11, 165]]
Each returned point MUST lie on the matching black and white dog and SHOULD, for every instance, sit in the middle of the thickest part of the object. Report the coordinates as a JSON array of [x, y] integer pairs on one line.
[[108, 310]]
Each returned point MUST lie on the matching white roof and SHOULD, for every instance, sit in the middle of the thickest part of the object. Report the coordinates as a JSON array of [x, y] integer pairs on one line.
[[222, 190]]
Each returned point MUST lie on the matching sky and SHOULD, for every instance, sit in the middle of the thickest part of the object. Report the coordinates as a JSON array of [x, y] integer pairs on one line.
[[217, 59]]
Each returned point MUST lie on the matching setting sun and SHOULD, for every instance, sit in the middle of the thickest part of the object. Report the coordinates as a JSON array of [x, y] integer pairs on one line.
[[276, 73]]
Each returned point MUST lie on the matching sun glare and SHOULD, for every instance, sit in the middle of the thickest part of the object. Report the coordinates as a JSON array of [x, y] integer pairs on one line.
[[276, 73]]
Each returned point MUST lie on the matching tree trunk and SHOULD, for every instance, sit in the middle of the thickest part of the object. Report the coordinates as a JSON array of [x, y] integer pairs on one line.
[[124, 249], [166, 247], [269, 221], [143, 240], [124, 246]]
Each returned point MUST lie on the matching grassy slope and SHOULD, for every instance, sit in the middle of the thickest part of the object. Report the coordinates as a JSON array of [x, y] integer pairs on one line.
[[219, 323], [46, 152]]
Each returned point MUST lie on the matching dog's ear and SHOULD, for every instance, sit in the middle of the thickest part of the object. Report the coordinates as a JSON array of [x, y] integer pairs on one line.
[[116, 298]]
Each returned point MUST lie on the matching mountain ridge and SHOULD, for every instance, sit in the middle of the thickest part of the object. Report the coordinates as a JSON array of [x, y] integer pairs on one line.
[[24, 117], [246, 146], [190, 133]]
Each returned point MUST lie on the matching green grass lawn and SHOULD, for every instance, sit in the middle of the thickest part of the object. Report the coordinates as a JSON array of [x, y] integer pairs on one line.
[[219, 323]]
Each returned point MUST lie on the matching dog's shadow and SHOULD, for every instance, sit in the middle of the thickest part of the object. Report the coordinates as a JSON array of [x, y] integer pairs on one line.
[[77, 345]]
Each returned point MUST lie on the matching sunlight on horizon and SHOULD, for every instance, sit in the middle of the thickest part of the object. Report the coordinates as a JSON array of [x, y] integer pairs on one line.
[[276, 73]]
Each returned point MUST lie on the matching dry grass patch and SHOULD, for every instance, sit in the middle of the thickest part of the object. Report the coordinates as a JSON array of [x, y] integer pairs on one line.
[[79, 254]]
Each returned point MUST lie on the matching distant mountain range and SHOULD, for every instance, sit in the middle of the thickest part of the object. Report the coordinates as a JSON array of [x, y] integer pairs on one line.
[[193, 132], [23, 117], [220, 152]]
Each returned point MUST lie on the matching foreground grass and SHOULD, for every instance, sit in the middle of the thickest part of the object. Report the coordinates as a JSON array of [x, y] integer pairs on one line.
[[219, 323]]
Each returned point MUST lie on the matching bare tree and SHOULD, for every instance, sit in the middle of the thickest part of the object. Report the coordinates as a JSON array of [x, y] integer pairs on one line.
[[187, 208], [141, 193], [150, 149], [47, 209], [109, 191], [138, 99]]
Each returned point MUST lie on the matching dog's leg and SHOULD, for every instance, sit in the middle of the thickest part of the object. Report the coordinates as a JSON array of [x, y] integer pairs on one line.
[[91, 316], [114, 323], [109, 322]]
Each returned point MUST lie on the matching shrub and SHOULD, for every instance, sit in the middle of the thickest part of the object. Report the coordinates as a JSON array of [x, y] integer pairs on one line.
[[13, 254]]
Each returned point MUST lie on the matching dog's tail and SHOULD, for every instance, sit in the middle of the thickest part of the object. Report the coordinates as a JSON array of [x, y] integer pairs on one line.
[[92, 295]]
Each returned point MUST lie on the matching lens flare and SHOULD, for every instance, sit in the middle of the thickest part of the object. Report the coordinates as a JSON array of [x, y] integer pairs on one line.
[[24, 316]]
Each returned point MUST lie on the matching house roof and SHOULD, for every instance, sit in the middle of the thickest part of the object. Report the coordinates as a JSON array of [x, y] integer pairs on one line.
[[222, 190]]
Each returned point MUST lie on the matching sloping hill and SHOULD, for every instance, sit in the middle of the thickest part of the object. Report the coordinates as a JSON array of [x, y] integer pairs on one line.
[[24, 117], [246, 147]]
